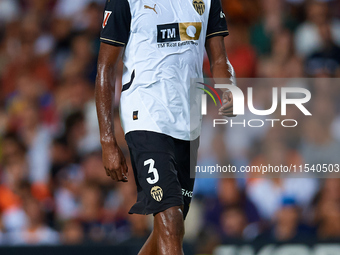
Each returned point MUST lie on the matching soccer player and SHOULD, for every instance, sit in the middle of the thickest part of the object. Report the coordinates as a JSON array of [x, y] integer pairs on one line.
[[162, 44]]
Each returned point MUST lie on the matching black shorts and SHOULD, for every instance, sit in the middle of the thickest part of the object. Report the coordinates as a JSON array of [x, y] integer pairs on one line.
[[161, 166]]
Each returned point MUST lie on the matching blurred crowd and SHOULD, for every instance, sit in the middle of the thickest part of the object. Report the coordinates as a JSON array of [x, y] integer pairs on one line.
[[53, 188]]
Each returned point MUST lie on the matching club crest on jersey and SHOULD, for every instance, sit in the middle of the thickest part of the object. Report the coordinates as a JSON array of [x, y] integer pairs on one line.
[[199, 6], [107, 15], [157, 193]]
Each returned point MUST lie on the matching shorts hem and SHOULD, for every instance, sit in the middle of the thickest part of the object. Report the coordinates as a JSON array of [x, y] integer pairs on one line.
[[154, 212]]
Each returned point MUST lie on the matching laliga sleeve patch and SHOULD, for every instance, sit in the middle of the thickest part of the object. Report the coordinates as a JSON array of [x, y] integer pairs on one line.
[[107, 15], [116, 23]]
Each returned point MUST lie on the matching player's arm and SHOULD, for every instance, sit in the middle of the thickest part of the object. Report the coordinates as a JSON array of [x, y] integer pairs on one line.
[[113, 37], [221, 68], [113, 158]]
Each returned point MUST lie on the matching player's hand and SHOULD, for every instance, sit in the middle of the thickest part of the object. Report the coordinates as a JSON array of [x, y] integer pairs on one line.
[[115, 163], [227, 107]]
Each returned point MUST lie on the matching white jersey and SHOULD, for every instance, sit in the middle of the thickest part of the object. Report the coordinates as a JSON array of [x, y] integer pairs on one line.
[[164, 49]]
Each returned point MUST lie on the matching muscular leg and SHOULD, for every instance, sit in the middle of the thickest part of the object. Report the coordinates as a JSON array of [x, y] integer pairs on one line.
[[167, 235], [150, 246], [169, 226]]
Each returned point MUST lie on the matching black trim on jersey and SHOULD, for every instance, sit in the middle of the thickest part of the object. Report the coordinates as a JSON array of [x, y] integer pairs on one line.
[[116, 31], [128, 85], [217, 24]]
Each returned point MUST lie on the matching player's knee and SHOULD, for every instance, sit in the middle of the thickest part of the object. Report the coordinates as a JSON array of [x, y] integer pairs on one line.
[[172, 223]]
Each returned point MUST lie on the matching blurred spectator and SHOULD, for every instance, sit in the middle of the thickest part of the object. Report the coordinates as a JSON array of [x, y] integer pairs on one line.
[[9, 10], [318, 145], [241, 53], [267, 194], [307, 37], [65, 9], [72, 95], [326, 60], [82, 61], [328, 210], [91, 214], [139, 228], [30, 91], [78, 134], [67, 182], [273, 20], [230, 195], [92, 167], [14, 171], [101, 225], [282, 63], [72, 233], [233, 223], [36, 231], [61, 155], [287, 225], [26, 62], [329, 227], [37, 139]]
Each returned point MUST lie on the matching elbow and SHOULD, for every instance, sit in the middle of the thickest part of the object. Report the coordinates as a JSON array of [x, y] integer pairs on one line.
[[220, 62], [102, 69], [104, 73], [105, 66], [219, 66]]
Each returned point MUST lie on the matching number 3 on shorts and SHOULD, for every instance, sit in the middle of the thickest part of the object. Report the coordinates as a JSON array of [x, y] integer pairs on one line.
[[152, 170]]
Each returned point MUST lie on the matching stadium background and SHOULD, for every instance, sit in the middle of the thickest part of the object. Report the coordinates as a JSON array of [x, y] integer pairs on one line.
[[53, 189]]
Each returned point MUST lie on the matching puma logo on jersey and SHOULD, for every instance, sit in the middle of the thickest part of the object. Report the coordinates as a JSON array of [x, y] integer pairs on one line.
[[148, 7], [107, 15]]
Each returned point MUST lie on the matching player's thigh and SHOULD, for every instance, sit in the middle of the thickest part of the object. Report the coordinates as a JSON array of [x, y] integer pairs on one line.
[[186, 159], [156, 173], [158, 178]]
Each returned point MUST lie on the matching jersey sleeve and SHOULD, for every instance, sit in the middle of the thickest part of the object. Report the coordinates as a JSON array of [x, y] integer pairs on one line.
[[116, 23], [217, 24]]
